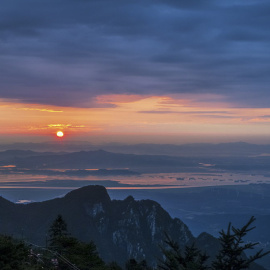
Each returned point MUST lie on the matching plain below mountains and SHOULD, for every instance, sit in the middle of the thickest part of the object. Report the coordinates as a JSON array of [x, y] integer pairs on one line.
[[99, 159], [128, 163]]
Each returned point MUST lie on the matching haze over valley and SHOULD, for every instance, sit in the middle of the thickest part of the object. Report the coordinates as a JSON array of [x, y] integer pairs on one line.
[[204, 191]]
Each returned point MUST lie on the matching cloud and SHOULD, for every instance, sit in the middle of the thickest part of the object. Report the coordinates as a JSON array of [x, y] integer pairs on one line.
[[41, 110], [67, 53], [185, 112], [60, 126]]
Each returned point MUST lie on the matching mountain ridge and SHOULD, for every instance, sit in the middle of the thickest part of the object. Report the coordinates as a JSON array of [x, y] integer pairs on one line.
[[191, 149], [121, 229]]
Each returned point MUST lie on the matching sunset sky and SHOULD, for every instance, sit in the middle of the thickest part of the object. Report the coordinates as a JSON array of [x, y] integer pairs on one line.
[[161, 71]]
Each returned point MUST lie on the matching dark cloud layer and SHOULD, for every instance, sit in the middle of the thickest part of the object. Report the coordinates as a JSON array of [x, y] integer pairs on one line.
[[68, 52]]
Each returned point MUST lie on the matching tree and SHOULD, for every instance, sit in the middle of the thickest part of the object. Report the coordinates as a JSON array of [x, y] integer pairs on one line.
[[132, 264], [231, 256], [83, 255], [57, 231], [15, 254], [175, 259], [113, 266], [71, 251]]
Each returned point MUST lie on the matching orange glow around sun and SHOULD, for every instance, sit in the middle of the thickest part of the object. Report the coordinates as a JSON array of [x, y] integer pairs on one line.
[[134, 119], [59, 134]]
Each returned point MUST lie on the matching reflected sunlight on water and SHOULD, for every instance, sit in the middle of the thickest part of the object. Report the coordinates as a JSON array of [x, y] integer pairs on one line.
[[149, 181]]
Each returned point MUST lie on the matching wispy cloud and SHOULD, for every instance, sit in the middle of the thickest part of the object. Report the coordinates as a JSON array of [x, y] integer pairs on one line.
[[185, 112], [58, 126], [41, 110]]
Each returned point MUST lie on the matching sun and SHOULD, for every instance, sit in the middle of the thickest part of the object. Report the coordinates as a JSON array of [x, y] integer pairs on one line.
[[59, 134]]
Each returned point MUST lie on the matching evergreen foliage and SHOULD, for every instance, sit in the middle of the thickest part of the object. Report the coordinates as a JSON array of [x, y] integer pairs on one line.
[[83, 255], [231, 255], [13, 254], [132, 264], [57, 231], [16, 255], [175, 259], [114, 266]]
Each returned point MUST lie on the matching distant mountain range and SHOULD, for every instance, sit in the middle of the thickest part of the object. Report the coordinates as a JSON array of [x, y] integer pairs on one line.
[[121, 229], [98, 159], [127, 163], [197, 149]]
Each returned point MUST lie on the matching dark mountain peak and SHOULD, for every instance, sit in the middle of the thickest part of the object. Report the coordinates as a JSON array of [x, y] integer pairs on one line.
[[13, 151], [101, 151], [88, 152], [206, 242], [4, 202], [6, 207], [89, 194], [129, 199], [121, 229], [96, 152], [205, 236]]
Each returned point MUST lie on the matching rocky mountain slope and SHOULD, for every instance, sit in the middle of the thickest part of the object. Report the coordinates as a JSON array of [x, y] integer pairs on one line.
[[121, 229]]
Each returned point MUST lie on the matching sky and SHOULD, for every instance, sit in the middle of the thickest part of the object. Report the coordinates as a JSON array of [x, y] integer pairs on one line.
[[160, 71]]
